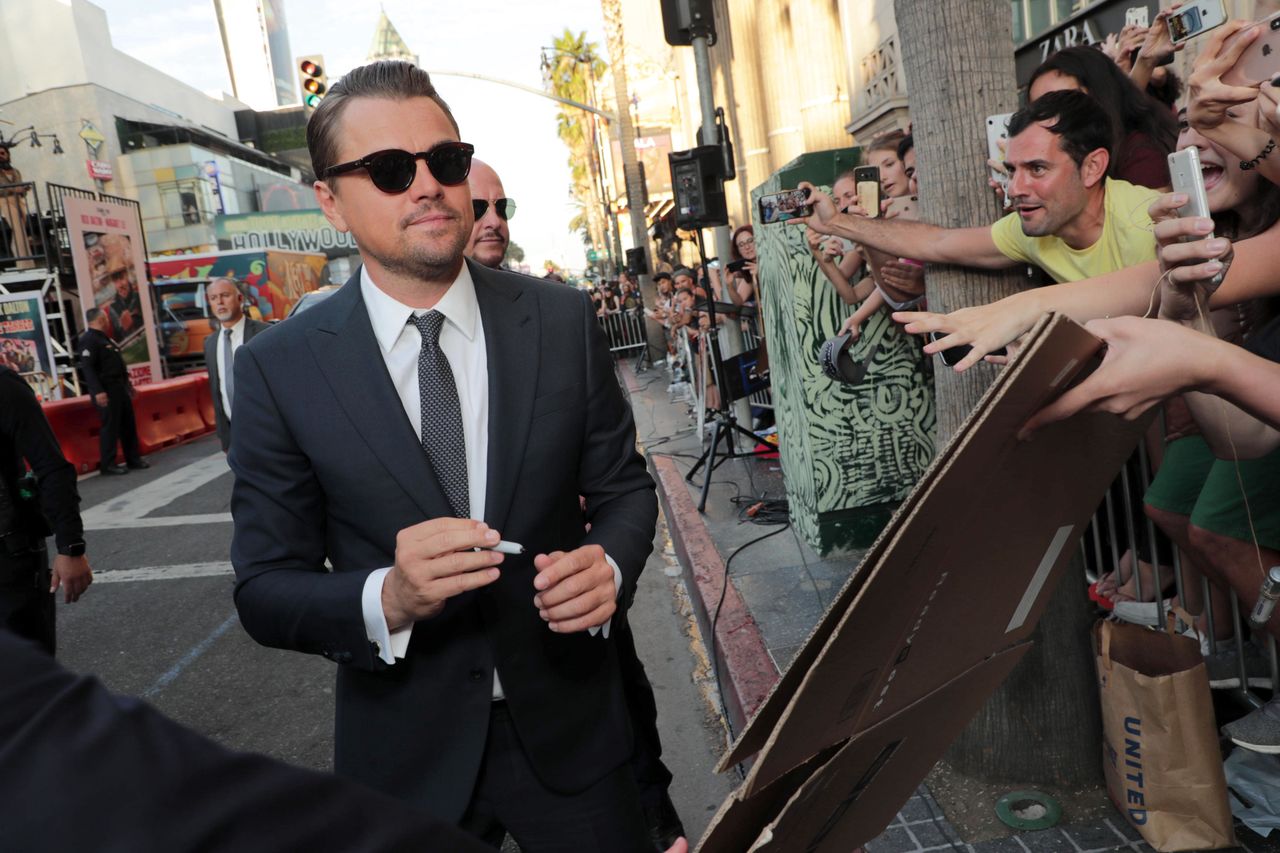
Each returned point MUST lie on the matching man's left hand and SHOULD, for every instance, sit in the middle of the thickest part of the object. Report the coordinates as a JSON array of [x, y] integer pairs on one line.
[[72, 574], [575, 589]]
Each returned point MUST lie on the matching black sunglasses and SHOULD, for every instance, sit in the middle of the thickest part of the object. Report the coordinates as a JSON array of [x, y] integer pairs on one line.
[[505, 207], [393, 170]]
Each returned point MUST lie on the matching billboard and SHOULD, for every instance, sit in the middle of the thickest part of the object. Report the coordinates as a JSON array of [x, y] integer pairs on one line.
[[106, 248], [291, 230], [24, 339]]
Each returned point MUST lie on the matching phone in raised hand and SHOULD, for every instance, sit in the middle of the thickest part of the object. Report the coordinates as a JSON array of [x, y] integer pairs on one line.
[[1196, 19], [867, 180], [1188, 179], [997, 145]]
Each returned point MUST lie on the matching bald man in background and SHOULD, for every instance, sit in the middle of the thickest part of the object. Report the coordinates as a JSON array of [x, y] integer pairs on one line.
[[488, 245], [489, 236]]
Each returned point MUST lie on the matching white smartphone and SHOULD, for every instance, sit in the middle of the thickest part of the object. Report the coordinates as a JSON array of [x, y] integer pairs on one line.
[[1196, 19], [997, 148], [1186, 178], [1136, 16]]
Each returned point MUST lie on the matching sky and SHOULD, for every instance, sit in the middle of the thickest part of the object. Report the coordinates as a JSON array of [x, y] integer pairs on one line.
[[513, 131]]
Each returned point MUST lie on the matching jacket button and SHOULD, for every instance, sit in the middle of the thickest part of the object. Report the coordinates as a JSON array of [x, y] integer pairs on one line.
[[476, 674]]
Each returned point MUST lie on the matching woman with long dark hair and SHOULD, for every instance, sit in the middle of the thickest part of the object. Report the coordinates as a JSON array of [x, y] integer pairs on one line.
[[1146, 130]]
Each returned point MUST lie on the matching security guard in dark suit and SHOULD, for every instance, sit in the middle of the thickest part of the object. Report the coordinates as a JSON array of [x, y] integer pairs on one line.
[[104, 372], [32, 505]]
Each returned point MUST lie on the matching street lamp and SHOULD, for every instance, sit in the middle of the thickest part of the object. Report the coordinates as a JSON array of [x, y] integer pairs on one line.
[[28, 134]]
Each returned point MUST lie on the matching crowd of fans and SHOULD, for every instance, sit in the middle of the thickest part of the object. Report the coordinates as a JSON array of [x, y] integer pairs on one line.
[[1093, 220], [1187, 306]]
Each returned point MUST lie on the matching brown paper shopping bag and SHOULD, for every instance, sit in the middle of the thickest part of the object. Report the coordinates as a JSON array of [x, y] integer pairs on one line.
[[1160, 744]]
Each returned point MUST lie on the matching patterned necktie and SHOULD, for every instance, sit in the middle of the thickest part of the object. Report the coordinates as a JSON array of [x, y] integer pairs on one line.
[[227, 380], [442, 436]]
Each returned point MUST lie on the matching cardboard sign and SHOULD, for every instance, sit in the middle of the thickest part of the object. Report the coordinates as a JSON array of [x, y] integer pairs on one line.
[[961, 573]]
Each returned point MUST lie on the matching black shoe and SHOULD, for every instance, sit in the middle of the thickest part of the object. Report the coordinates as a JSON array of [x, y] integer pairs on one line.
[[113, 469], [140, 464], [664, 824]]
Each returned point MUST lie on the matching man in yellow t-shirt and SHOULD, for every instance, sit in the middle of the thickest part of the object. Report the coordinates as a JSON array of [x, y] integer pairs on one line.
[[1068, 218]]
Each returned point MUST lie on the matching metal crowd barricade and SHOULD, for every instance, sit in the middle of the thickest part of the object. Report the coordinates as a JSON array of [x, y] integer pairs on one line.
[[1120, 524], [751, 339], [625, 331]]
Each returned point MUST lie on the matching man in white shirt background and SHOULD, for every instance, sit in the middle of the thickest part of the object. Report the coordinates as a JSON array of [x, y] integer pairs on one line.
[[234, 330]]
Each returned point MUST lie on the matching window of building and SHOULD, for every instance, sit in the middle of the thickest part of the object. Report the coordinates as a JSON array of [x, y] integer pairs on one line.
[[184, 202], [1032, 18]]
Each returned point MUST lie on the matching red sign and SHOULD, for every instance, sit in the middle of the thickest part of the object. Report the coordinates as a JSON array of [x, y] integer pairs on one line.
[[99, 170]]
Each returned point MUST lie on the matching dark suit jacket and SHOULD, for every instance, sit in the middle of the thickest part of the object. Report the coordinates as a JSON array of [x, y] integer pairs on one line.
[[82, 769], [251, 328], [328, 466]]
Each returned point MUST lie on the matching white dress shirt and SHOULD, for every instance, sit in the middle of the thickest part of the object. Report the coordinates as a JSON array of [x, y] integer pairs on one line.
[[237, 341], [462, 340]]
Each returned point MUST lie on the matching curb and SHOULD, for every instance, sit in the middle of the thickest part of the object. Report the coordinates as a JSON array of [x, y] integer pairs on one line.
[[746, 671]]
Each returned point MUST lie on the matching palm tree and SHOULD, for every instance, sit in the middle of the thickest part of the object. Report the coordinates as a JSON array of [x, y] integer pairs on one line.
[[571, 72]]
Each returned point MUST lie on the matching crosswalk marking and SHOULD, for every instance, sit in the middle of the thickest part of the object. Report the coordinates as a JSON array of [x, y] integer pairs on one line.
[[134, 507], [164, 573]]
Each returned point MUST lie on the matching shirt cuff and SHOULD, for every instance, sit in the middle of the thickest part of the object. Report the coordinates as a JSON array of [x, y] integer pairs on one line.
[[388, 644], [617, 593]]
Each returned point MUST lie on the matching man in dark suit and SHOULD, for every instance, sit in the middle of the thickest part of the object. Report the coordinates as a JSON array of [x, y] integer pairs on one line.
[[235, 329], [398, 431], [490, 236]]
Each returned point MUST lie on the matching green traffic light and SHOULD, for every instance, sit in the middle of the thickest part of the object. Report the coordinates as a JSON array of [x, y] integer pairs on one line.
[[312, 101]]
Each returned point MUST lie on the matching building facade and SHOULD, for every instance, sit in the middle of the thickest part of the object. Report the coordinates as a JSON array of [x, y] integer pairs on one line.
[[129, 129]]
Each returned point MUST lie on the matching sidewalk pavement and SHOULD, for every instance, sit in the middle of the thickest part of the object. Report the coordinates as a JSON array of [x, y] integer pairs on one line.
[[777, 589]]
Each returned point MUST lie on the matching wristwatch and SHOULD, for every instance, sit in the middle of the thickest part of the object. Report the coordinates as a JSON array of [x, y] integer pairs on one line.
[[72, 549]]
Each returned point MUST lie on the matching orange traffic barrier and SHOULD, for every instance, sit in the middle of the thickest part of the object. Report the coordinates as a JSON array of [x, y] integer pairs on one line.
[[168, 412], [206, 399], [75, 423]]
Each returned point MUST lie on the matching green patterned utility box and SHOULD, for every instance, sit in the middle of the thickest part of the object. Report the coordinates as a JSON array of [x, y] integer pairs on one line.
[[849, 453]]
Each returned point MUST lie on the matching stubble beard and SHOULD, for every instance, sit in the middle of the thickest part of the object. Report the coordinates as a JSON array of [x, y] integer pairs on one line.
[[436, 262]]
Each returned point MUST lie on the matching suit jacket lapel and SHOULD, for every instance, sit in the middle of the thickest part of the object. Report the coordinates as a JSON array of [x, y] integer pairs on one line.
[[512, 346], [349, 357]]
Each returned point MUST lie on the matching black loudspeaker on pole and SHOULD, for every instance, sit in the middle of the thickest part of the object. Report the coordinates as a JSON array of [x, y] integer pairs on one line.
[[685, 20]]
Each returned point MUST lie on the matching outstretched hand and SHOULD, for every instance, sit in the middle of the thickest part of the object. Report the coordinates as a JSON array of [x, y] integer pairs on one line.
[[824, 209], [1146, 361]]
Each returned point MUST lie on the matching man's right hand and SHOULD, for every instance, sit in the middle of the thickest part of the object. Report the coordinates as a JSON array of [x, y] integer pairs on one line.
[[824, 209], [101, 399], [435, 561]]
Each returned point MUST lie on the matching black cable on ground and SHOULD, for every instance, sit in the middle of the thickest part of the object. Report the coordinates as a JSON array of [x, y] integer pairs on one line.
[[938, 821], [715, 618]]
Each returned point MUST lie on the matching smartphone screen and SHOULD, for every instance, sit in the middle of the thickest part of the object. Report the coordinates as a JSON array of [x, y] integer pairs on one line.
[[785, 205]]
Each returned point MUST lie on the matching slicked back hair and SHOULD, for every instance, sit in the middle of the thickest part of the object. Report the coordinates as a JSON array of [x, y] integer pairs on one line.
[[388, 79], [1080, 122]]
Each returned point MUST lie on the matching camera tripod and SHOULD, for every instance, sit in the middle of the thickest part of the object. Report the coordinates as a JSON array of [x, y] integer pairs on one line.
[[723, 421]]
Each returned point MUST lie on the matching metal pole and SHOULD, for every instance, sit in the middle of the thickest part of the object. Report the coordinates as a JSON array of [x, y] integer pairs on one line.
[[731, 344]]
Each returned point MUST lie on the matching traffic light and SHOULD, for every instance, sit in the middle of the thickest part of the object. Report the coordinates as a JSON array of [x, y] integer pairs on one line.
[[313, 81]]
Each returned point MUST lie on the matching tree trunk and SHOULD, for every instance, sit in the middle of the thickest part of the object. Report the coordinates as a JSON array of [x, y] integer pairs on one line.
[[1042, 725], [637, 197]]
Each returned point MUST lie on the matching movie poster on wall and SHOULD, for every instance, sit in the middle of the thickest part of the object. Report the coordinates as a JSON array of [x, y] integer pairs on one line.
[[24, 341], [106, 246]]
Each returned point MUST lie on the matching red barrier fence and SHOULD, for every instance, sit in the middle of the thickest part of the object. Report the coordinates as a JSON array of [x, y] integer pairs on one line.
[[167, 413]]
